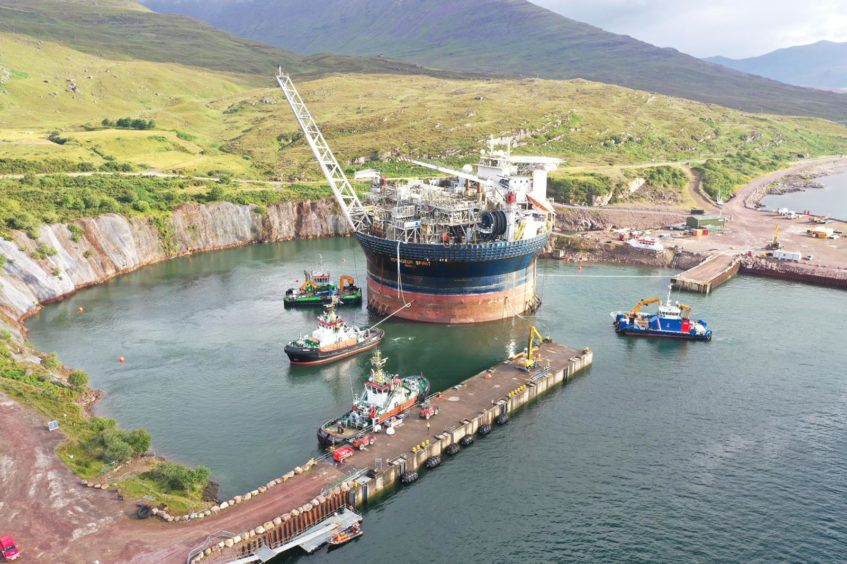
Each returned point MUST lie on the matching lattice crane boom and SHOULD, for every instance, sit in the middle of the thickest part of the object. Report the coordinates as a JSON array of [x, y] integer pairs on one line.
[[353, 210]]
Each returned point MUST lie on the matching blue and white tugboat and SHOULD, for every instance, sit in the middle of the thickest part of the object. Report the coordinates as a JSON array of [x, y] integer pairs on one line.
[[671, 321]]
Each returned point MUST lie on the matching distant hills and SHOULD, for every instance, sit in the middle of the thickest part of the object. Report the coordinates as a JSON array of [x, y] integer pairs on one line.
[[500, 37], [821, 65], [127, 29]]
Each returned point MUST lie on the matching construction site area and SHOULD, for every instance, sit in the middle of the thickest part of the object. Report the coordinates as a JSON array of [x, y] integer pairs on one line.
[[718, 241]]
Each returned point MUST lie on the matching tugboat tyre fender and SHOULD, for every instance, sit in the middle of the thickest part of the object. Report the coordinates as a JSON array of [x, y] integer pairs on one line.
[[452, 449], [467, 440], [432, 462], [484, 429], [502, 419]]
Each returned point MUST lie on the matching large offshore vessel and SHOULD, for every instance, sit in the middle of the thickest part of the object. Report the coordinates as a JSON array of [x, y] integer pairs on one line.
[[455, 249]]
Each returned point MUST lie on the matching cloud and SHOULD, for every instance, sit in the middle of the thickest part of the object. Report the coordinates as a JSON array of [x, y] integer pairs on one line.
[[734, 28]]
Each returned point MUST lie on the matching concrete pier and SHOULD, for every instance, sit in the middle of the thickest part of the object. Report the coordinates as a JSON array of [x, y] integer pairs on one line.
[[474, 407], [709, 274]]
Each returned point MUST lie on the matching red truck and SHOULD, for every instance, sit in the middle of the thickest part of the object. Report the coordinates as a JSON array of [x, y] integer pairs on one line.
[[8, 548], [362, 442]]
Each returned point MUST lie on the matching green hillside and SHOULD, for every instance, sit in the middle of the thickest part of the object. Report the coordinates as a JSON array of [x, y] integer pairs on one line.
[[501, 37], [124, 29], [60, 110]]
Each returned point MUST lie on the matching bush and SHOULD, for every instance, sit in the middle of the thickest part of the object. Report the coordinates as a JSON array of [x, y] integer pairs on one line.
[[51, 362], [115, 445], [56, 137], [178, 477], [579, 188], [78, 379], [129, 123], [666, 176], [215, 194], [76, 232]]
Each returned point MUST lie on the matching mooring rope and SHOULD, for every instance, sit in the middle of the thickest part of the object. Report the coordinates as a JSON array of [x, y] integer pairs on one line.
[[387, 317]]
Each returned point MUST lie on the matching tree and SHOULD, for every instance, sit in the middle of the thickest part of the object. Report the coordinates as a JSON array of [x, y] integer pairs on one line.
[[78, 379], [140, 440], [215, 194], [117, 452]]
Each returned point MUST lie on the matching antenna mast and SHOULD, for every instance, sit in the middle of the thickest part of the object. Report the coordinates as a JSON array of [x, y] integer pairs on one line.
[[353, 210]]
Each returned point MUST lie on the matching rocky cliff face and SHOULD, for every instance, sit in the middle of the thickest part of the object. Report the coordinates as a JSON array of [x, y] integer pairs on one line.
[[62, 261]]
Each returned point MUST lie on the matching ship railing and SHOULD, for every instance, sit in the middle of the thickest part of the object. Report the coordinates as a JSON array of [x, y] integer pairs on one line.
[[351, 477]]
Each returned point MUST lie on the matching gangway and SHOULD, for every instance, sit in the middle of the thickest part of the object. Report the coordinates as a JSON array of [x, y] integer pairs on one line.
[[310, 540]]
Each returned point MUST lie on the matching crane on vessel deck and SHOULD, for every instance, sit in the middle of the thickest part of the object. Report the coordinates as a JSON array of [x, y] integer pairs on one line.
[[354, 212], [642, 303]]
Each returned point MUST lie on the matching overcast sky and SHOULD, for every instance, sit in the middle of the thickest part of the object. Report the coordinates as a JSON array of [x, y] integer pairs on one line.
[[733, 28]]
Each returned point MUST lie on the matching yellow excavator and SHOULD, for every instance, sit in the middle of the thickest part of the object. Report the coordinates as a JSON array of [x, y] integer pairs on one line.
[[775, 244], [308, 286], [346, 278], [529, 357]]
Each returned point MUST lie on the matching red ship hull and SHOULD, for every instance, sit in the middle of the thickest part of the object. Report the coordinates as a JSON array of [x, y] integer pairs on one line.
[[453, 308]]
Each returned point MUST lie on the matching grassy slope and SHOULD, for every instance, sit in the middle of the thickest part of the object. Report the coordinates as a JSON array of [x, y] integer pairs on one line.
[[123, 29], [512, 37], [232, 126]]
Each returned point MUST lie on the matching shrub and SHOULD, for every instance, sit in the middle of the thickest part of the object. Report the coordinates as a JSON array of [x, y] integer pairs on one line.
[[179, 477], [78, 379], [51, 362], [215, 193], [76, 232]]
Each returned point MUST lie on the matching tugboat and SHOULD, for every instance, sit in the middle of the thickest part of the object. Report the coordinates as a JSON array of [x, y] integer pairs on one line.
[[384, 396], [317, 290], [332, 340], [671, 321]]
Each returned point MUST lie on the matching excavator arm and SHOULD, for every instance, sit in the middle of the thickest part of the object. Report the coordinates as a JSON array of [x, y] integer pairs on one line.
[[527, 360], [686, 310], [643, 303], [346, 278]]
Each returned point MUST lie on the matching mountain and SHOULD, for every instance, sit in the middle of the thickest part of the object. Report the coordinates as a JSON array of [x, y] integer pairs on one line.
[[125, 29], [499, 37], [821, 65]]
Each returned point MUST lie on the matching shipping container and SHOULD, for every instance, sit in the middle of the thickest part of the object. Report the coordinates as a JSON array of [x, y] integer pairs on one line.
[[787, 255], [713, 222]]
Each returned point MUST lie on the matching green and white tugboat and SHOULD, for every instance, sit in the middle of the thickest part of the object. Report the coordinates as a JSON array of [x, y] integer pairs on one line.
[[317, 290], [385, 395]]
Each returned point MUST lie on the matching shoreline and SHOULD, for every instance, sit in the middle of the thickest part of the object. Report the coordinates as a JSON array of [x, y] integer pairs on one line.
[[816, 168]]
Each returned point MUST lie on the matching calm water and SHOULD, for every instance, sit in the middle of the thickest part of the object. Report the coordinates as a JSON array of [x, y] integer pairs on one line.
[[729, 450], [830, 200]]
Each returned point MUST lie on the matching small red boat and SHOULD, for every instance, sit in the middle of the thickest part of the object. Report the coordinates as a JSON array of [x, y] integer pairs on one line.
[[346, 535]]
